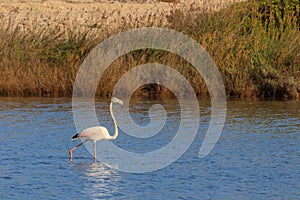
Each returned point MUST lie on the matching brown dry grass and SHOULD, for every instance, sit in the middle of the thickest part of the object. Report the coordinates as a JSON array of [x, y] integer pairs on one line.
[[40, 52]]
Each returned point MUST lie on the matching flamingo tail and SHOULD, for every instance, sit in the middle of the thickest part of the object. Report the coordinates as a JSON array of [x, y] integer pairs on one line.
[[75, 137]]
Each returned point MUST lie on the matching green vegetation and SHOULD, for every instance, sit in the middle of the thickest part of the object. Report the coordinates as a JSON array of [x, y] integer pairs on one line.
[[255, 44]]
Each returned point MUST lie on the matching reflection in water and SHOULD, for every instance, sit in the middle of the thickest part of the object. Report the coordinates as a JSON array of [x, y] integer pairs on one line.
[[101, 181]]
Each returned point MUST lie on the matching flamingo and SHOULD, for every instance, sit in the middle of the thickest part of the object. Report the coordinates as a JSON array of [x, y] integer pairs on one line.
[[97, 132]]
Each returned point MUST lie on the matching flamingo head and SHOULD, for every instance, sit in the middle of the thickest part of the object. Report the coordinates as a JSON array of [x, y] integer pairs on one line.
[[116, 100]]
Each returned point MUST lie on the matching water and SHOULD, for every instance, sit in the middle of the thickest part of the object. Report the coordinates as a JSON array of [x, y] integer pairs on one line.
[[256, 157]]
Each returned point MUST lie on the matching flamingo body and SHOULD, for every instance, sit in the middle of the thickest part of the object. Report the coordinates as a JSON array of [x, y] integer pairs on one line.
[[93, 134]]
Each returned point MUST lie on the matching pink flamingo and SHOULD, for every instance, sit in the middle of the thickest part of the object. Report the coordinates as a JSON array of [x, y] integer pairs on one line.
[[97, 132]]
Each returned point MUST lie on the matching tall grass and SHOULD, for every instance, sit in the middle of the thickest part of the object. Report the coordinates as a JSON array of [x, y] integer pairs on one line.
[[255, 44]]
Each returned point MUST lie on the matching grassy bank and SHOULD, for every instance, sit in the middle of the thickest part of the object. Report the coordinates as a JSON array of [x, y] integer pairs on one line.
[[255, 44]]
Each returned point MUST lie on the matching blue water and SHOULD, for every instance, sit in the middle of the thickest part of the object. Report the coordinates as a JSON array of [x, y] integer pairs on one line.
[[256, 157]]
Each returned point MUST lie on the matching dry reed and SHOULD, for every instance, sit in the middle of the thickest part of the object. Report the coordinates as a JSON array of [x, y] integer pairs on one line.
[[256, 50]]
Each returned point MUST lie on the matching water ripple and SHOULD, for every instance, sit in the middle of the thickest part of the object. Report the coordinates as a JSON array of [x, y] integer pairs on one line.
[[257, 156]]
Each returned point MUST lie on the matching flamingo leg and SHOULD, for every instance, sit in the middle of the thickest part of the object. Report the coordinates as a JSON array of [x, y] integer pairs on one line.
[[71, 150], [95, 149]]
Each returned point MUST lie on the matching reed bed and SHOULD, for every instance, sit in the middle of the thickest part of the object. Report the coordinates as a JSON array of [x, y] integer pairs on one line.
[[255, 44]]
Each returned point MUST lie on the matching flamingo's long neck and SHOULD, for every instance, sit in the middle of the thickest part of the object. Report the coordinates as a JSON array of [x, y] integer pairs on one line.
[[115, 123]]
